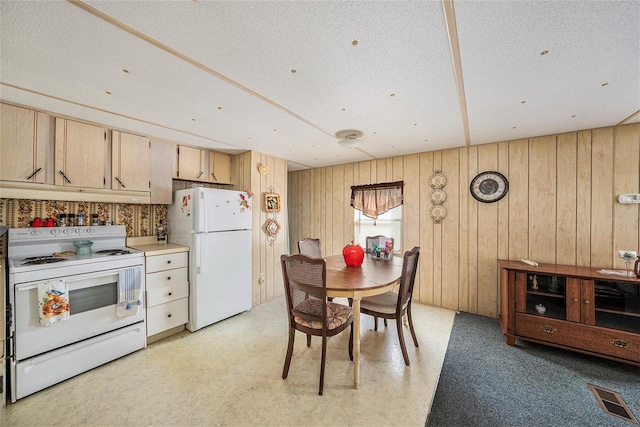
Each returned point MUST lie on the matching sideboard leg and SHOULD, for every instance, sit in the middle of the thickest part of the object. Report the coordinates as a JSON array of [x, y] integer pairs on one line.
[[511, 340]]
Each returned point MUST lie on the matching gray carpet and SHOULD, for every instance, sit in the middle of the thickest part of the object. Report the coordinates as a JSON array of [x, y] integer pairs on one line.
[[485, 382]]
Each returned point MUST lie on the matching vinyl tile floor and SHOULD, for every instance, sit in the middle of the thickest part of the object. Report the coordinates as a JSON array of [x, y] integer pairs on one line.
[[230, 374]]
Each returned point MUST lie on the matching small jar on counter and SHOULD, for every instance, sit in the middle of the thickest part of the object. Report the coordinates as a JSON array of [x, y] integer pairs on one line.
[[80, 220], [62, 220], [71, 219], [94, 219]]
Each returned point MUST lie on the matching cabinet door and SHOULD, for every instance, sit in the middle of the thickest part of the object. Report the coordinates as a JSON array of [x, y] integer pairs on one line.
[[219, 168], [190, 164], [22, 159], [131, 162], [80, 154]]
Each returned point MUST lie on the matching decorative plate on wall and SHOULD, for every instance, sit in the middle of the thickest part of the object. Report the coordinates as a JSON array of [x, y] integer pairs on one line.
[[438, 180], [489, 187], [438, 196]]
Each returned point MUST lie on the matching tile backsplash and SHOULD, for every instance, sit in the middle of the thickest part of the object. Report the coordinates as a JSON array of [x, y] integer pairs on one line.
[[139, 220]]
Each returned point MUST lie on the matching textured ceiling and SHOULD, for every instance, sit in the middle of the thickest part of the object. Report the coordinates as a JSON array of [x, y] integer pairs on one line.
[[412, 76]]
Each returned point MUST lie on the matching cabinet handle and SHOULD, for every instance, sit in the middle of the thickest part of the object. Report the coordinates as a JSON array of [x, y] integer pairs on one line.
[[120, 182], [169, 315], [214, 176], [587, 301], [34, 173], [548, 329], [199, 175], [575, 300], [619, 343], [65, 177]]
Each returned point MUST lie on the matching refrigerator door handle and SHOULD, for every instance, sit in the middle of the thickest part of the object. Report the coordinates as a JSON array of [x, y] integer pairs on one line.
[[202, 220], [201, 266]]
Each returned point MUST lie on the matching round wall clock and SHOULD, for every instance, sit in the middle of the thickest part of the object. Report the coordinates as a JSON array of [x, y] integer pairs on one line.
[[489, 187]]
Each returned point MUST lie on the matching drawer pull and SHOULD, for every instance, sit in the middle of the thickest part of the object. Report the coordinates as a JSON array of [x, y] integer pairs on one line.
[[575, 300], [170, 293], [169, 278], [620, 343], [169, 262], [587, 302], [169, 315], [548, 329]]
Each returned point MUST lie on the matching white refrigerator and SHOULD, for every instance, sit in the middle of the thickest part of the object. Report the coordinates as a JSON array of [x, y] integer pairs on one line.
[[216, 225]]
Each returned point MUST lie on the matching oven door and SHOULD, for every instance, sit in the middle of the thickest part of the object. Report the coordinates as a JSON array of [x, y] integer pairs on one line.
[[92, 302]]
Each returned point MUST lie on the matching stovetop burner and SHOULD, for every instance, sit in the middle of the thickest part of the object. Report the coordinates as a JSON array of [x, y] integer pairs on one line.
[[114, 252], [36, 260]]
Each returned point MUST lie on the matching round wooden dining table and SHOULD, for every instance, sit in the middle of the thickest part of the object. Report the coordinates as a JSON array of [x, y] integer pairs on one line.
[[374, 277]]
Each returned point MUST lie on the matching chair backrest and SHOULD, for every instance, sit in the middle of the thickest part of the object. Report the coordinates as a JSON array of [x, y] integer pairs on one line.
[[375, 240], [305, 278], [407, 280], [310, 247]]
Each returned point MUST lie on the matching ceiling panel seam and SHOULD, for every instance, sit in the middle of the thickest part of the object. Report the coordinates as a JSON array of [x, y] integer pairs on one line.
[[452, 33], [192, 61]]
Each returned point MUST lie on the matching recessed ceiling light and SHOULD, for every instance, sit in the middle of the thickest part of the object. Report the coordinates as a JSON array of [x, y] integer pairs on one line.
[[544, 52], [193, 120], [573, 115], [393, 94], [426, 140], [344, 109], [513, 127], [275, 130], [293, 71], [523, 102], [108, 93], [604, 84], [415, 124], [125, 71], [355, 42], [219, 108]]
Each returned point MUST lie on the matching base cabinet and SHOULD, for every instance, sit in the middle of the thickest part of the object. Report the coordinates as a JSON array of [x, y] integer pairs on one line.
[[167, 292], [570, 307]]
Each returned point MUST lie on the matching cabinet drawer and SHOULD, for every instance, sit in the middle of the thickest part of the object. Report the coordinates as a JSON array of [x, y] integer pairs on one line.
[[167, 292], [165, 262], [166, 316], [598, 340], [166, 277]]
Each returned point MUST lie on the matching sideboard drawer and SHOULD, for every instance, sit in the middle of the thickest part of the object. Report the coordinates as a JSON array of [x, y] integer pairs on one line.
[[166, 293], [166, 277]]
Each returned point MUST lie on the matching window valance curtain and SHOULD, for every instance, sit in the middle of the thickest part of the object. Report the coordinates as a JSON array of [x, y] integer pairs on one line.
[[375, 199]]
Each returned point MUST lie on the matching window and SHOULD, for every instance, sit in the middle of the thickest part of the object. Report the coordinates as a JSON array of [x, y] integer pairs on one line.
[[388, 224]]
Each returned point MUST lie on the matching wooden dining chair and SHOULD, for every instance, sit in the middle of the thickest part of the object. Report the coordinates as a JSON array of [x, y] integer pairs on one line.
[[310, 247], [309, 311], [394, 305]]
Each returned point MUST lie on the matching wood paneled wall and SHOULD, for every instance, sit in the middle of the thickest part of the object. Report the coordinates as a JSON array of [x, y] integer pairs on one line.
[[265, 257], [561, 208]]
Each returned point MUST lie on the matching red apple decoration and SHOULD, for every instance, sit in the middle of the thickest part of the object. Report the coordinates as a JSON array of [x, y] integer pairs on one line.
[[353, 255]]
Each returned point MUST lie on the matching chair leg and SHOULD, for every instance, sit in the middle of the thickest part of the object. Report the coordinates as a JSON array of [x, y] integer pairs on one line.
[[308, 340], [287, 360], [375, 323], [351, 343], [413, 332], [401, 338], [324, 355], [385, 322]]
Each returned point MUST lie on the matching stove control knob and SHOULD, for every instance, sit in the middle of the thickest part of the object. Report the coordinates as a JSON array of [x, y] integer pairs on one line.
[[67, 231], [79, 231], [55, 231], [35, 233], [89, 230]]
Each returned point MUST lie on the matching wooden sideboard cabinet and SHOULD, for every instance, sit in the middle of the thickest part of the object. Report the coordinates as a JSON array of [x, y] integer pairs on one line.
[[570, 307]]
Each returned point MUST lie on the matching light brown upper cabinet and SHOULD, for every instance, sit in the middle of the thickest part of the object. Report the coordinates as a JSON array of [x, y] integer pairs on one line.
[[130, 162], [219, 168], [161, 169], [81, 153], [24, 144], [191, 164]]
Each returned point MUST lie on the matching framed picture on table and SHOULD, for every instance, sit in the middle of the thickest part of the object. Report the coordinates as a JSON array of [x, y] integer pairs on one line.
[[271, 202]]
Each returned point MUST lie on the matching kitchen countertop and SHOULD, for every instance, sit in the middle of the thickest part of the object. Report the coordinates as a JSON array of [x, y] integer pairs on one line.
[[150, 246]]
